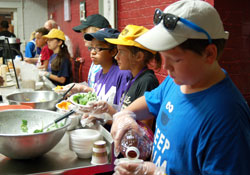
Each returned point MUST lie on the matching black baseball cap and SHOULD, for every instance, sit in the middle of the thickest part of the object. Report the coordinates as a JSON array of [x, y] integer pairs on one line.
[[101, 34], [95, 20]]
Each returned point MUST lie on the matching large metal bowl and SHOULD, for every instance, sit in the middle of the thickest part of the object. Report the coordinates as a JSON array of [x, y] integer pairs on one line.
[[16, 144], [35, 99]]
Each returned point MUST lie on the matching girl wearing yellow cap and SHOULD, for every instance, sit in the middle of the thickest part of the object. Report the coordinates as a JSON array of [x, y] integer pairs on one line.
[[59, 68]]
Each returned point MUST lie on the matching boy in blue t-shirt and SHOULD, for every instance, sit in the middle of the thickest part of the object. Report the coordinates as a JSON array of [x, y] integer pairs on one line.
[[202, 120]]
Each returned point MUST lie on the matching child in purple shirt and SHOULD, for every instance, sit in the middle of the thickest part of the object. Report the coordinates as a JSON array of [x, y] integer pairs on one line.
[[110, 80]]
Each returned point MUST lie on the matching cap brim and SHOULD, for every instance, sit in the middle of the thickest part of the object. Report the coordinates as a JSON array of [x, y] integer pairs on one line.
[[80, 27], [160, 39], [120, 42], [46, 36]]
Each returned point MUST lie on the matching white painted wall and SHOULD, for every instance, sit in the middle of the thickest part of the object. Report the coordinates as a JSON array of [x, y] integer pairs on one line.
[[29, 15]]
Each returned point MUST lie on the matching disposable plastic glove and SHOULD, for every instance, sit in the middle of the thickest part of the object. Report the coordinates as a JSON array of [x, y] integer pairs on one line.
[[95, 110], [122, 122], [42, 73], [78, 88], [87, 120], [94, 119], [96, 107], [130, 168]]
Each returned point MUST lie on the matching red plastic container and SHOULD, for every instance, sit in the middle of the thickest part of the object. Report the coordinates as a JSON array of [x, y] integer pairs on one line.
[[6, 107]]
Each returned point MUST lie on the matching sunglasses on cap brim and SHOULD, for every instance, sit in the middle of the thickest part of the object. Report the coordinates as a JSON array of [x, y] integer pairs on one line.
[[170, 22]]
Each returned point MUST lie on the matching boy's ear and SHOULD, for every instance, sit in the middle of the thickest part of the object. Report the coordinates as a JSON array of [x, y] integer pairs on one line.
[[114, 52], [211, 53]]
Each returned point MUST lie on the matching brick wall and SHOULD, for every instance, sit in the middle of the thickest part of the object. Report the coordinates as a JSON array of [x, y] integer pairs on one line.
[[56, 8], [236, 58]]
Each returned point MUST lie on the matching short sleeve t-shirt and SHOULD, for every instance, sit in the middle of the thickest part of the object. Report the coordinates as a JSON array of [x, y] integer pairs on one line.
[[52, 57], [30, 49], [145, 82], [110, 86], [92, 72], [45, 53], [206, 132], [64, 71]]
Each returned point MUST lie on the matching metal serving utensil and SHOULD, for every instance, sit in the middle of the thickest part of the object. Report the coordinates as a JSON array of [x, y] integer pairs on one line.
[[59, 119]]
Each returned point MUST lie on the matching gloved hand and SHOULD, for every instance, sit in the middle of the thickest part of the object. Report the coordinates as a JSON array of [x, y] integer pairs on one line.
[[141, 168], [91, 120], [96, 107], [122, 122], [42, 73], [78, 88]]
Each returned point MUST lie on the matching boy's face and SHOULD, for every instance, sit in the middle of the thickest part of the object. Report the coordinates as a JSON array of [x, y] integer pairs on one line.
[[184, 66], [124, 58], [102, 57], [90, 29], [40, 41]]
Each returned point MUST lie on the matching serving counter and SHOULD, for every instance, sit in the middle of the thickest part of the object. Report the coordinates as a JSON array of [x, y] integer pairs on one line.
[[60, 160]]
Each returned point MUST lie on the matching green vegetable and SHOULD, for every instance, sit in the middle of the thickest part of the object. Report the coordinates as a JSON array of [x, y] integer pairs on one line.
[[24, 126], [38, 131], [83, 99]]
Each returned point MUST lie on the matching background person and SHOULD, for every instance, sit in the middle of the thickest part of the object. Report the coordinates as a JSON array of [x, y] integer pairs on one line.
[[92, 24], [45, 54], [51, 24], [5, 32], [59, 68], [203, 121], [31, 50]]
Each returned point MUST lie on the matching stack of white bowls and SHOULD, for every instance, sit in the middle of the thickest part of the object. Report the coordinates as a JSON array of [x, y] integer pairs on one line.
[[81, 141]]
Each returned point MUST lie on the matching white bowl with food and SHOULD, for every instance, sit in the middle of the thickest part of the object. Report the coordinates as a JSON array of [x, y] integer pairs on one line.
[[81, 100]]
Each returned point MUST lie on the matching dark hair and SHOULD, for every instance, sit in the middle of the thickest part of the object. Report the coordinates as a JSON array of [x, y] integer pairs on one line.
[[5, 24], [62, 54], [198, 45], [112, 46], [43, 31], [149, 56]]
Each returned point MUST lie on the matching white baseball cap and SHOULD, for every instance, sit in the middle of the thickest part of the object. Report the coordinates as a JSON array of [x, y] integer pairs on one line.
[[201, 13]]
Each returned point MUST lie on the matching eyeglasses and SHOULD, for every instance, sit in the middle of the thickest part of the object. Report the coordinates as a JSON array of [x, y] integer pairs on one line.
[[98, 49], [170, 22]]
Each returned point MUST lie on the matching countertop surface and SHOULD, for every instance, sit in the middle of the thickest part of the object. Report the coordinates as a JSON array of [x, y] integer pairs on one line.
[[60, 160]]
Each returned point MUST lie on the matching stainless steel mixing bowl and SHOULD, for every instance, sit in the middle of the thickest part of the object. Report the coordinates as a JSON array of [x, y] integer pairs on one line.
[[16, 144], [35, 99]]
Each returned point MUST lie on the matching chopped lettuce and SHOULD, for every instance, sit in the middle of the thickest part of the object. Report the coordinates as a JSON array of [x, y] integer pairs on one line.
[[83, 99], [24, 126]]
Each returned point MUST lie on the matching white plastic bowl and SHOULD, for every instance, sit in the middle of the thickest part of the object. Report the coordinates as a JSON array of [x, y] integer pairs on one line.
[[82, 140], [85, 135], [84, 155]]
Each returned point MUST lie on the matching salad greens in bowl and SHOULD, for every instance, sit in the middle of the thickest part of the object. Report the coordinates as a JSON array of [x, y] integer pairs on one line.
[[21, 136], [82, 99]]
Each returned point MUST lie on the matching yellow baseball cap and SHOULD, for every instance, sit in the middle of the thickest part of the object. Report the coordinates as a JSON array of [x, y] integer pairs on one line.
[[128, 35], [55, 33]]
